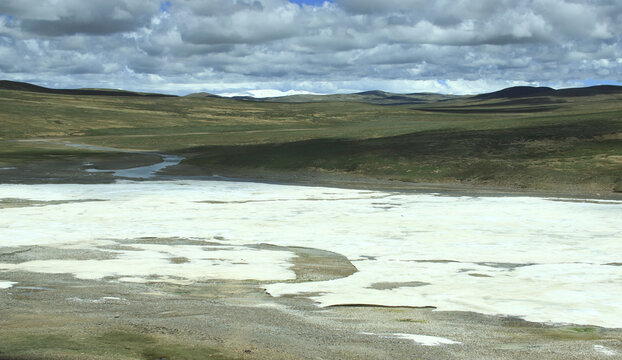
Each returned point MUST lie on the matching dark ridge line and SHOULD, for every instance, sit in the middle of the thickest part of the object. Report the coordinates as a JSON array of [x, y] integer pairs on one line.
[[531, 91], [397, 99], [22, 86], [489, 110]]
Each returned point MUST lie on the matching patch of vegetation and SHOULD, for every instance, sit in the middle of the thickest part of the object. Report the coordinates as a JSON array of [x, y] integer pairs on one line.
[[418, 321], [567, 141], [581, 329], [541, 157], [179, 260], [110, 345], [573, 333]]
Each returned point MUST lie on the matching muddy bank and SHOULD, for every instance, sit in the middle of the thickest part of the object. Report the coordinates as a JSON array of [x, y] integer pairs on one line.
[[355, 181], [97, 164]]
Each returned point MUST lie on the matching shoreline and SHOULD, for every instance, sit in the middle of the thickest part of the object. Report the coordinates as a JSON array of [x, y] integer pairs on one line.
[[96, 169], [361, 182], [82, 175]]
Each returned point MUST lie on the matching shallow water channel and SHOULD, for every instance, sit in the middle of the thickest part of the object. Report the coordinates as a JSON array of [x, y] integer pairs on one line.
[[141, 172], [539, 259]]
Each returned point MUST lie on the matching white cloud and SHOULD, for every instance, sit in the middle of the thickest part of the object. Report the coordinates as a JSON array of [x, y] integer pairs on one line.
[[236, 46]]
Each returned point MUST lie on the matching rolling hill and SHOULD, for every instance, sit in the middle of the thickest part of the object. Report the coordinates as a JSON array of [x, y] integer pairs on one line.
[[21, 86], [520, 139], [530, 91]]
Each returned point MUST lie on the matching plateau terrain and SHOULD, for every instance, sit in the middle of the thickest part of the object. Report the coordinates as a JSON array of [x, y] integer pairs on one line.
[[352, 226]]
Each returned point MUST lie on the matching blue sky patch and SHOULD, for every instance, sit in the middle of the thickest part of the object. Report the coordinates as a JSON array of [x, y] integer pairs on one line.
[[310, 2], [593, 82], [165, 6]]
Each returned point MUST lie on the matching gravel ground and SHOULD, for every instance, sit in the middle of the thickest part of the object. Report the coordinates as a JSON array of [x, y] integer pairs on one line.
[[60, 317]]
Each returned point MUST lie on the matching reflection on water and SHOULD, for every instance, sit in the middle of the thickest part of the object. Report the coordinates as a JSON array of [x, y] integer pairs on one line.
[[144, 172]]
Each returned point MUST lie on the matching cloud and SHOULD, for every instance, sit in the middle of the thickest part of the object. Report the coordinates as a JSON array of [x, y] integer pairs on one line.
[[380, 7], [220, 8], [248, 24], [238, 46], [68, 17]]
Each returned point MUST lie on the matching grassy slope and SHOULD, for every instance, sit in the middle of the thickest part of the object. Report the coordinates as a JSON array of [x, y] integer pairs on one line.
[[552, 143]]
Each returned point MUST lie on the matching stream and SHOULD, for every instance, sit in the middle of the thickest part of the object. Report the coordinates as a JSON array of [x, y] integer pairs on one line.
[[141, 172]]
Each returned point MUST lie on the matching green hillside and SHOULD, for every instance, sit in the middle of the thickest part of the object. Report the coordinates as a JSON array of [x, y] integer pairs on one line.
[[536, 139]]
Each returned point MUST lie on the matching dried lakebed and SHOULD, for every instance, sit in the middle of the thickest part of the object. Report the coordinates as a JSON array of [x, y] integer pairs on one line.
[[435, 265]]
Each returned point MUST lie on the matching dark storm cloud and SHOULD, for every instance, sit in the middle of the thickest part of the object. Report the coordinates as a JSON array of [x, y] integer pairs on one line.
[[70, 26], [215, 45], [57, 18]]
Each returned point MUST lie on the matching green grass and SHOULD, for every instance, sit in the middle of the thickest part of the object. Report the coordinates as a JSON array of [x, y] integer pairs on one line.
[[118, 344], [572, 143]]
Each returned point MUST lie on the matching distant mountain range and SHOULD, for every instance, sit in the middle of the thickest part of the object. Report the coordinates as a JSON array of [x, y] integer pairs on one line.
[[530, 91], [372, 97], [22, 86]]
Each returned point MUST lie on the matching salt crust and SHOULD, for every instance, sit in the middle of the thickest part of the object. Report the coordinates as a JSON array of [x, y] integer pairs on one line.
[[6, 284], [542, 260]]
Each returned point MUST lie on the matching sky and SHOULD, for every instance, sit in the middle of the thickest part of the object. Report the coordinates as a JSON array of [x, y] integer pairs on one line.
[[278, 47]]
